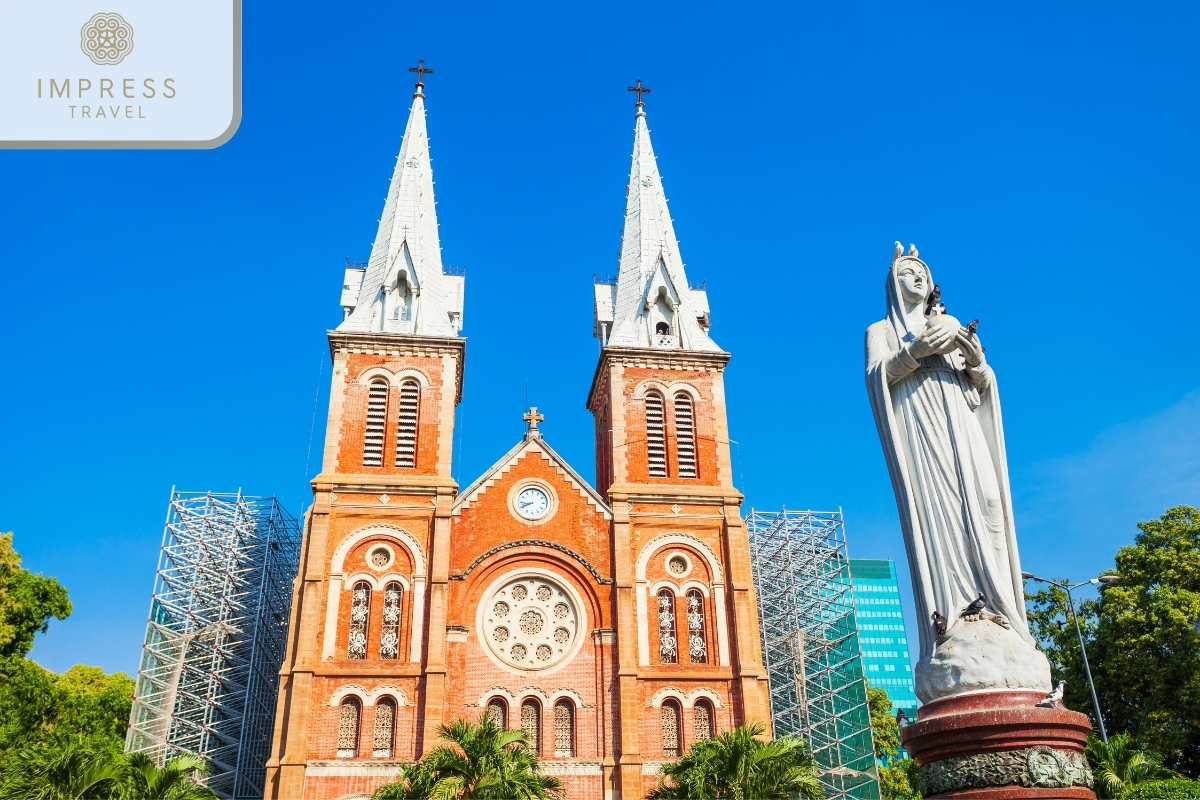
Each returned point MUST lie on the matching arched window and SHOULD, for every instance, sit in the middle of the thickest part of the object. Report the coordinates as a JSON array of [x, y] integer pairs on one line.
[[702, 720], [497, 711], [406, 429], [672, 738], [531, 723], [389, 640], [377, 397], [348, 716], [385, 727], [564, 729], [656, 443], [662, 329], [685, 436], [668, 645], [697, 647], [360, 619]]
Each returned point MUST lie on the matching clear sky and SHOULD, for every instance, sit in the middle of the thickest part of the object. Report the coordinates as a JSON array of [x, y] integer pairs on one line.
[[164, 312]]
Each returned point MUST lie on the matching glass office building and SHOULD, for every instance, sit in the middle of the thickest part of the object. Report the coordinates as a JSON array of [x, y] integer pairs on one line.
[[882, 639]]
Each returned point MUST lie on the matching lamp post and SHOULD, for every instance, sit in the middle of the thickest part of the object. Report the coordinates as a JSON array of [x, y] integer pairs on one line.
[[1066, 587]]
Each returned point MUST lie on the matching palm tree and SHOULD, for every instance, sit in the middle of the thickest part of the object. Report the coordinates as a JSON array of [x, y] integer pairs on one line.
[[739, 766], [145, 780], [63, 767], [485, 762], [1120, 765]]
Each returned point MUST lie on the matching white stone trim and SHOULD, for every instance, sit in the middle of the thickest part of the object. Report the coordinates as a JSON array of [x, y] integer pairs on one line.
[[670, 691], [353, 769], [551, 497], [562, 768], [664, 584], [642, 592], [418, 619], [695, 584], [391, 552], [389, 690], [412, 372], [377, 529], [366, 577], [373, 375], [669, 390], [687, 560], [350, 689], [654, 767], [707, 694]]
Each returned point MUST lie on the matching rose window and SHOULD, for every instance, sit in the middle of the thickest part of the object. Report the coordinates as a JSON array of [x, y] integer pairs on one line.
[[380, 558], [677, 565], [530, 622]]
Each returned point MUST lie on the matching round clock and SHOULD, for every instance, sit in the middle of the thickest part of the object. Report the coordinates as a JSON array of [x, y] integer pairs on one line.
[[532, 502]]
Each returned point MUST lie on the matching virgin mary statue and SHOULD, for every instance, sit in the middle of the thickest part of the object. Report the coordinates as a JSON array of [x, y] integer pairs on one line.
[[938, 413]]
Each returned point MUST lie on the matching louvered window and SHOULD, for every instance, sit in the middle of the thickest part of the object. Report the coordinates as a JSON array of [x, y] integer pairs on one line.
[[385, 727], [685, 436], [671, 738], [360, 619], [389, 640], [406, 429], [656, 442], [497, 711], [531, 723], [697, 647], [564, 729], [668, 649], [702, 718], [376, 422], [348, 716]]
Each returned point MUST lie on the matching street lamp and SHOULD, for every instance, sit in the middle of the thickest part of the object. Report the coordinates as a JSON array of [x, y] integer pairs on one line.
[[1066, 587]]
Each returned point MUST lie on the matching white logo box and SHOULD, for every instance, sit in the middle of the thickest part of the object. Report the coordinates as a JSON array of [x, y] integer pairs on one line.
[[169, 73]]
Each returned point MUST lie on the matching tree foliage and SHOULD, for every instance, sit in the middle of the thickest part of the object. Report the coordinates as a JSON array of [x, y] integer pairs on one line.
[[738, 765], [1173, 789], [1142, 640], [1120, 765], [897, 772], [27, 602], [483, 762]]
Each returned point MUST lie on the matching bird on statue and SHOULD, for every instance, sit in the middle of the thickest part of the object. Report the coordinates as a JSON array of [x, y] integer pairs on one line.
[[1054, 698], [899, 251], [902, 720], [939, 623], [975, 610]]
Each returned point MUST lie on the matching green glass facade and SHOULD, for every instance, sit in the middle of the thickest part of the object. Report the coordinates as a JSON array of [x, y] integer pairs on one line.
[[882, 639]]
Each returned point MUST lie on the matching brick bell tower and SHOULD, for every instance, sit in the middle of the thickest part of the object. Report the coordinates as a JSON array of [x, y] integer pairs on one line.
[[663, 462], [373, 569]]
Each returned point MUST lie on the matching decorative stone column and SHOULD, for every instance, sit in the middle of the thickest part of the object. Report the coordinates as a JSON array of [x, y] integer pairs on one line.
[[999, 745]]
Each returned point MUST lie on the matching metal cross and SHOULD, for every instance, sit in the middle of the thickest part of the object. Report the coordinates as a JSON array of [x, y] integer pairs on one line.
[[421, 71], [533, 418], [640, 90]]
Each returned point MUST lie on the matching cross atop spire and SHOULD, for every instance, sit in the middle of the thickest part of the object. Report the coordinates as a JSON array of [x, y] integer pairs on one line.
[[421, 71], [532, 418], [640, 90]]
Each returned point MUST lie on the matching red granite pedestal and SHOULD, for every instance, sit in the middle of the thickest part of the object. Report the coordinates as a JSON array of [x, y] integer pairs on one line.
[[1001, 746]]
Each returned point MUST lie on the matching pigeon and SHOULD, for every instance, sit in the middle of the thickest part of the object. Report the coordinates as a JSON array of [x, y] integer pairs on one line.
[[971, 326], [899, 251], [1054, 699], [902, 720], [933, 301], [939, 623], [976, 608], [912, 251]]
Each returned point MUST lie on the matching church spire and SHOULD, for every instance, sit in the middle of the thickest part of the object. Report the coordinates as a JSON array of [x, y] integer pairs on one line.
[[651, 304], [404, 288]]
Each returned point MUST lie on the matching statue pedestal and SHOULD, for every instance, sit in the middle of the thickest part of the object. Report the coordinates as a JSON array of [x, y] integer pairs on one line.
[[999, 745]]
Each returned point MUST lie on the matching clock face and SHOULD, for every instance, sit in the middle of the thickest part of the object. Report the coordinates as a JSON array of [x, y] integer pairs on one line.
[[532, 503]]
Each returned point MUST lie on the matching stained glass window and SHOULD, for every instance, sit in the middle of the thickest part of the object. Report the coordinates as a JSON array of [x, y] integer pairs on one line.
[[389, 640], [564, 729], [360, 617], [385, 727], [668, 651], [531, 723], [497, 710], [702, 720], [697, 647], [348, 728], [671, 738]]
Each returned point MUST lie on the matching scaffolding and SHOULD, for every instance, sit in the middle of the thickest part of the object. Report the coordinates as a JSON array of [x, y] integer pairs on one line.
[[810, 644], [216, 637]]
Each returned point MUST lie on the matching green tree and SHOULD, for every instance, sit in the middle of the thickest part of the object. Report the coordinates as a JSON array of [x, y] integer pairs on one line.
[[88, 700], [1119, 765], [483, 762], [145, 779], [27, 602], [64, 767], [739, 765], [897, 772], [1173, 789]]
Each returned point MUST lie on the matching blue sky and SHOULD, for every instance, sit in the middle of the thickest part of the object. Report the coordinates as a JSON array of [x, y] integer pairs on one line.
[[165, 311]]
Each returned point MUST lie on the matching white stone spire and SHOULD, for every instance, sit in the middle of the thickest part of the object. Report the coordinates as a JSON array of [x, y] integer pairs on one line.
[[403, 289], [651, 293]]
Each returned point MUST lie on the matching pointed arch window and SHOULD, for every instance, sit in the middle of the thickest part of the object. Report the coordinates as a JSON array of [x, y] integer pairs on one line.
[[672, 738], [656, 443], [697, 646], [393, 602], [668, 645], [385, 728], [348, 717], [531, 723], [406, 428], [564, 729], [497, 711], [702, 720], [685, 436], [360, 620], [377, 399]]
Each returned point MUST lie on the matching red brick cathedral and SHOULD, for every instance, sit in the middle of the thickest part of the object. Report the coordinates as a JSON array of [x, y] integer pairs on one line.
[[615, 624]]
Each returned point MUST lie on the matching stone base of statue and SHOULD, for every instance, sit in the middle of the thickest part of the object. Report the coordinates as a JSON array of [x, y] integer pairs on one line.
[[999, 745]]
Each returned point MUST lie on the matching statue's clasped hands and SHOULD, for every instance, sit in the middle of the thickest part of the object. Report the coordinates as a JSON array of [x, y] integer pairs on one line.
[[944, 335]]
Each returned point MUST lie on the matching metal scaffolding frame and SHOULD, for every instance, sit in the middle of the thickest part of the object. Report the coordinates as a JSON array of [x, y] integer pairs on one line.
[[810, 644], [216, 636]]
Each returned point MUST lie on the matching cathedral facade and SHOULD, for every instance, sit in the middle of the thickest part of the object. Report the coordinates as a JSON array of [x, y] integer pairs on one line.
[[615, 624]]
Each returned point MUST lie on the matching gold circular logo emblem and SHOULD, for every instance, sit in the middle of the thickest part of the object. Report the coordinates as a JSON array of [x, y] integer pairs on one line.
[[106, 38]]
